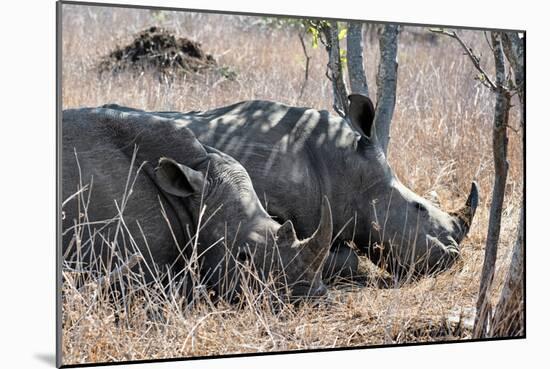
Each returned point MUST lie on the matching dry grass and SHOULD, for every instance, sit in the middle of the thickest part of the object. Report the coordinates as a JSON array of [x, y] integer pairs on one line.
[[441, 140]]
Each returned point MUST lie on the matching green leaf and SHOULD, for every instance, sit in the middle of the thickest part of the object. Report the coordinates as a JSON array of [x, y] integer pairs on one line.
[[314, 37], [342, 34], [343, 58]]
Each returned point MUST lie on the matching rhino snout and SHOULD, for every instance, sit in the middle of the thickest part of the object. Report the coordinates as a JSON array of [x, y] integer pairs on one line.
[[303, 291], [320, 291], [441, 256]]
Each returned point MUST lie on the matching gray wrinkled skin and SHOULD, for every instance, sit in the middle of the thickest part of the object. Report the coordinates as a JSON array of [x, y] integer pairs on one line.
[[181, 174], [297, 155]]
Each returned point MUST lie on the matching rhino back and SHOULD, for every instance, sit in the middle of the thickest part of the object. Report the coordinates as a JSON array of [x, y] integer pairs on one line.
[[97, 151], [289, 152]]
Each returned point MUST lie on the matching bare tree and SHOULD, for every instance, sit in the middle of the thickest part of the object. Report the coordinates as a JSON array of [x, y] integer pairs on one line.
[[509, 314], [335, 69], [500, 146], [356, 69], [514, 50], [511, 302], [508, 319], [386, 82], [386, 79], [301, 36]]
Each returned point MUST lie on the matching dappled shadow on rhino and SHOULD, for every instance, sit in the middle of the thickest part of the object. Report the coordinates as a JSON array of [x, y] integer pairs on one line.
[[140, 187], [296, 155]]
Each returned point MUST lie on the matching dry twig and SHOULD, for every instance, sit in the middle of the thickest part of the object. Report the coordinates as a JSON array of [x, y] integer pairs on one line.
[[484, 77]]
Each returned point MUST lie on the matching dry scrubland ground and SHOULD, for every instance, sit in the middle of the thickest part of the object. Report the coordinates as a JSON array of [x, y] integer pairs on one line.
[[441, 140]]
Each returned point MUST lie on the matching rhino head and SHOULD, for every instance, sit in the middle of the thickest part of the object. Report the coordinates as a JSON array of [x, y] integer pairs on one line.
[[235, 230], [300, 262], [405, 230]]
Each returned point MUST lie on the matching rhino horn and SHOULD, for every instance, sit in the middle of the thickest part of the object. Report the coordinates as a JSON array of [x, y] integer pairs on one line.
[[465, 215], [322, 236]]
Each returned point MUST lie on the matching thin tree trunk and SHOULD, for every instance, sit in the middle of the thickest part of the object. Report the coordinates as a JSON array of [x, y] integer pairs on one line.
[[508, 319], [514, 51], [386, 82], [509, 312], [306, 71], [500, 142], [334, 73], [356, 70]]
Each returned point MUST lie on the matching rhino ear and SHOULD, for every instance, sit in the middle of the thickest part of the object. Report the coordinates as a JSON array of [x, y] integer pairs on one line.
[[178, 179], [286, 235], [361, 114]]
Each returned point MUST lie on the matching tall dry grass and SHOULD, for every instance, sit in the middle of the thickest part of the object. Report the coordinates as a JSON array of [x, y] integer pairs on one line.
[[440, 141]]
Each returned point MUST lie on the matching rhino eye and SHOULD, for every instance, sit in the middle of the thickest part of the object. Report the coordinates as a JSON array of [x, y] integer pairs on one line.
[[420, 207]]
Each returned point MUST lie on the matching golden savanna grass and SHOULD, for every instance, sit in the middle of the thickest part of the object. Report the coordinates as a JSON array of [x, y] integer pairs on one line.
[[441, 140]]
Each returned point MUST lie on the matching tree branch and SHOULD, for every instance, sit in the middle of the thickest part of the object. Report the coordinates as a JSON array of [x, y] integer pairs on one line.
[[339, 88], [306, 76], [485, 79]]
